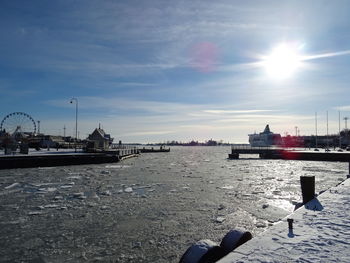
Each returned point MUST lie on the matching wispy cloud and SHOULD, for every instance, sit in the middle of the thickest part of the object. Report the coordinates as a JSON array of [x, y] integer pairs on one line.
[[342, 108], [126, 104], [146, 133], [235, 111], [327, 55]]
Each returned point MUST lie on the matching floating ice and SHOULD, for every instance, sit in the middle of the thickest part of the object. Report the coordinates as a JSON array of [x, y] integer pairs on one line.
[[66, 186], [80, 195], [51, 206], [11, 186], [227, 187], [74, 177], [220, 219], [46, 190], [128, 190], [34, 213]]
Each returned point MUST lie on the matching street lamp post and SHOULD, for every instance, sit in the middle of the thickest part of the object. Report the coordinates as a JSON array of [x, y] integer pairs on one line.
[[76, 121]]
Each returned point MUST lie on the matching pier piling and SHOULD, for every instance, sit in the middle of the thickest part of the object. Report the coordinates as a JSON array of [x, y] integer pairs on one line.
[[307, 188]]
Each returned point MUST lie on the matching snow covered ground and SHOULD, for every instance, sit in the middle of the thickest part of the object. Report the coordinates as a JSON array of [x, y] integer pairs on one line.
[[321, 232]]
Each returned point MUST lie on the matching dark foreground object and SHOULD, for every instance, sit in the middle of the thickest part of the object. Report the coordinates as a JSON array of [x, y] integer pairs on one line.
[[10, 162]]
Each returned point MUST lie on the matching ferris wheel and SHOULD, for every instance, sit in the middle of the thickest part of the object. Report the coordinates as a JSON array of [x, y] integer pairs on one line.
[[18, 122]]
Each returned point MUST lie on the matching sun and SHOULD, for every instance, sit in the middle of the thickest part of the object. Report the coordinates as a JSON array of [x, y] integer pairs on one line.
[[282, 62]]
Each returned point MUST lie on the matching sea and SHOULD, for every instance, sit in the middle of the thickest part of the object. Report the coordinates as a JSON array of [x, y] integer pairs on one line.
[[150, 208]]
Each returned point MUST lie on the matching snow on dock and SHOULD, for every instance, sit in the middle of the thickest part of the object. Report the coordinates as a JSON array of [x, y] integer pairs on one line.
[[320, 233]]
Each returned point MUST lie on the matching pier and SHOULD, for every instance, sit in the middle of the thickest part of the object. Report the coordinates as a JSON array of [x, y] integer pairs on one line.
[[290, 154], [154, 150], [61, 158]]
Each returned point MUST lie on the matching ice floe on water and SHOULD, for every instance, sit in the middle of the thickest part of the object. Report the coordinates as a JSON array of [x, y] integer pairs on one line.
[[46, 190], [220, 219], [12, 186], [128, 190], [74, 177], [79, 195], [227, 187]]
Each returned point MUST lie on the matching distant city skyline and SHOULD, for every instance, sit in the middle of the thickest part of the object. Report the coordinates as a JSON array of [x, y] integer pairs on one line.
[[153, 71]]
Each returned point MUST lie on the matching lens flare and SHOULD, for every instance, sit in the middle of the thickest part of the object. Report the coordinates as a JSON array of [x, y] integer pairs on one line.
[[283, 61]]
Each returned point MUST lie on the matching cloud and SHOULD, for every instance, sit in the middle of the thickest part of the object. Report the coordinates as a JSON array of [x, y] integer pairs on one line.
[[235, 111], [126, 104], [146, 133], [342, 108]]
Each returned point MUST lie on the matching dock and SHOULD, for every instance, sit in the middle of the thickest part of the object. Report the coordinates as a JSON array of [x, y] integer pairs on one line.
[[153, 150], [62, 158], [290, 154]]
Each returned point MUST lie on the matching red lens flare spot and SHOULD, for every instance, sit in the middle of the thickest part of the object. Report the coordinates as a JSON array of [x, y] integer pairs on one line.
[[290, 155], [204, 57]]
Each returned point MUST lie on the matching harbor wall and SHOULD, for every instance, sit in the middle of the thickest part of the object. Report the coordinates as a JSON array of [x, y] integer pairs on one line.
[[11, 162]]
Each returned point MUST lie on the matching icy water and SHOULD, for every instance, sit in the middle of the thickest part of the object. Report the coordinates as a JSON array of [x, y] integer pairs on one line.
[[146, 209]]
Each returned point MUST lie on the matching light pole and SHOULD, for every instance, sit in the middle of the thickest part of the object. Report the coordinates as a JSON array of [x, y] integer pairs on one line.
[[76, 121], [316, 127], [346, 122]]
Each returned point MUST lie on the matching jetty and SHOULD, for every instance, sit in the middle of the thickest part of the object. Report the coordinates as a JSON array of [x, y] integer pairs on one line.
[[290, 154], [153, 150], [60, 158]]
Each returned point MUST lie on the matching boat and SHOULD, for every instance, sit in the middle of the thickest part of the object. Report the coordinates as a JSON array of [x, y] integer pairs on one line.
[[265, 138]]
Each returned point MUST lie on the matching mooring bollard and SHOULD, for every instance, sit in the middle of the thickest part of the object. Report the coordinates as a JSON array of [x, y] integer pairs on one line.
[[203, 251], [290, 223], [307, 188], [233, 239]]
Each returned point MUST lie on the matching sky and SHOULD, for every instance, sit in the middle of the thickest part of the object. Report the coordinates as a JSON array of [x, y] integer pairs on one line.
[[156, 71]]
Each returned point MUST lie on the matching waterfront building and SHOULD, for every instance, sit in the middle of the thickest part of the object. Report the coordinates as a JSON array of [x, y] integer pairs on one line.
[[100, 140]]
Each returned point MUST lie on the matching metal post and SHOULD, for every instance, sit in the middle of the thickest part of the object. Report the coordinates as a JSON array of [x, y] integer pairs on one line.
[[339, 132], [316, 128], [76, 121], [346, 122], [327, 132]]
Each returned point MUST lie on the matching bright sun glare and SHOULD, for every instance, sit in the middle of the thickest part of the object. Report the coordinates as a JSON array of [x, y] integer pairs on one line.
[[283, 61]]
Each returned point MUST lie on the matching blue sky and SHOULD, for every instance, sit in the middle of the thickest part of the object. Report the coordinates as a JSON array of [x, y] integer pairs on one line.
[[152, 71]]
